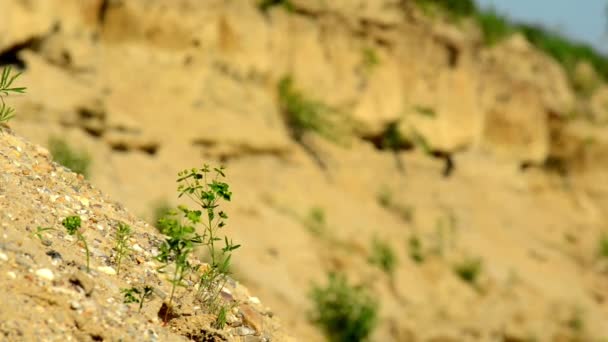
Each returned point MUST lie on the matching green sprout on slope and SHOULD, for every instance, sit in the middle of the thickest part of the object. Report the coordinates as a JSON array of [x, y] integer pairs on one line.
[[77, 161], [40, 230], [137, 295], [72, 225], [383, 256], [203, 186], [177, 247], [6, 87], [346, 313], [123, 233]]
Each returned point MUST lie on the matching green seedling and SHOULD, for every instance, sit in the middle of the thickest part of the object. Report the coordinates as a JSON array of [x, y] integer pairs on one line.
[[203, 186], [469, 270], [77, 161], [345, 313], [6, 87], [72, 225], [603, 246], [316, 221], [123, 233], [137, 295], [383, 256], [177, 247], [415, 249], [40, 230]]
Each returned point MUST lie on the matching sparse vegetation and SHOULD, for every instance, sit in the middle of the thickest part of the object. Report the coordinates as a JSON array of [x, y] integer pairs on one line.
[[346, 313], [370, 59], [123, 233], [162, 209], [72, 225], [316, 221], [425, 111], [266, 5], [77, 161], [469, 270], [383, 256], [204, 187], [304, 115], [136, 295], [6, 88], [40, 230], [415, 249], [603, 246]]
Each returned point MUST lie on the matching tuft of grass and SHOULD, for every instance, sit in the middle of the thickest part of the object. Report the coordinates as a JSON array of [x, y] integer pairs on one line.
[[266, 5], [383, 256], [392, 139], [454, 9], [136, 295], [77, 161], [304, 115], [162, 209], [415, 249], [316, 221], [345, 313], [6, 88], [369, 59], [123, 233], [425, 111], [72, 225], [603, 246], [469, 270]]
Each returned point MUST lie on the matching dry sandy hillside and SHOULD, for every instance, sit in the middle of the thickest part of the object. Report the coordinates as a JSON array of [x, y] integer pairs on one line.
[[462, 159]]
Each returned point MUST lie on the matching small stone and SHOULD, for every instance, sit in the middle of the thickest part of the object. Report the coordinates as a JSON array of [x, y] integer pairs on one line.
[[254, 300], [243, 331], [75, 305], [137, 248], [3, 257], [11, 275], [45, 273], [251, 317], [107, 270]]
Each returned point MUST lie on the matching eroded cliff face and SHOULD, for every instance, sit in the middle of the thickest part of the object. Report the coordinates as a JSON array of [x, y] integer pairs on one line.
[[492, 165]]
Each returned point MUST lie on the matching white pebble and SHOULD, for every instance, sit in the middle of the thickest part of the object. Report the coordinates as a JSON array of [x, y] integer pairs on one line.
[[137, 248], [45, 273], [11, 274], [107, 270], [254, 300], [3, 257]]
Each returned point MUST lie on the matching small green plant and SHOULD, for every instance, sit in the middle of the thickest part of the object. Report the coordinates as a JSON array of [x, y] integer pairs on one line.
[[177, 247], [415, 249], [385, 197], [425, 111], [383, 256], [123, 233], [6, 87], [136, 295], [204, 187], [346, 313], [77, 161], [265, 5], [161, 210], [393, 139], [40, 230], [603, 246], [72, 225], [469, 270], [454, 9], [306, 115], [370, 59], [316, 221]]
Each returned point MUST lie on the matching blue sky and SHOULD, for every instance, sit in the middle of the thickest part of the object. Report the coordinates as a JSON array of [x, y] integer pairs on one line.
[[583, 20]]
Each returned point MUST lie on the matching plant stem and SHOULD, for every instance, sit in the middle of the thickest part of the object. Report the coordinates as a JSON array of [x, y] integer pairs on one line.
[[86, 247]]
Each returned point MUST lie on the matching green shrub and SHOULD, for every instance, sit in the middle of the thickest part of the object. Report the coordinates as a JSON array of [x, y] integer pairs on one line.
[[72, 226], [6, 82], [345, 313], [77, 161], [455, 9], [383, 256], [494, 26], [469, 270], [304, 115]]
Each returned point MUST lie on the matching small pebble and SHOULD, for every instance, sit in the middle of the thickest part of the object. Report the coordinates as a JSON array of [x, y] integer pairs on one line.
[[242, 331], [137, 248], [107, 270], [45, 273], [254, 300], [75, 305], [3, 257], [11, 274]]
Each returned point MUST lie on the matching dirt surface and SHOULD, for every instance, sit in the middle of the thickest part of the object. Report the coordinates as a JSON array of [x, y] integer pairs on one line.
[[48, 293], [495, 170]]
